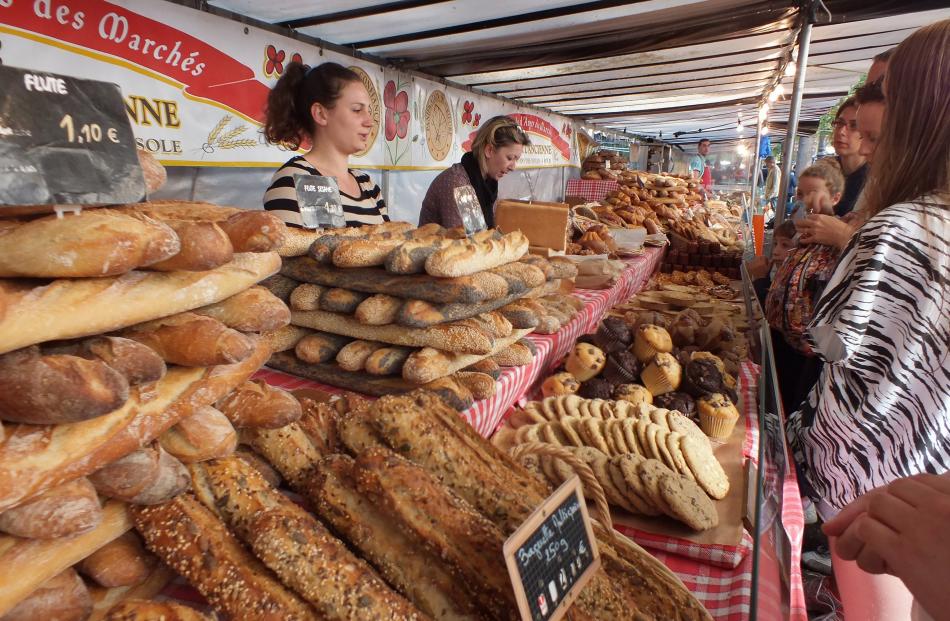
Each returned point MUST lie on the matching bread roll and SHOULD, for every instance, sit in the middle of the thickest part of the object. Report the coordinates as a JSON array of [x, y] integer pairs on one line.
[[254, 231], [204, 246], [66, 309], [55, 389], [306, 297], [206, 434], [192, 340], [253, 310], [319, 347], [257, 404], [61, 598], [66, 509], [376, 310], [144, 610], [97, 242], [138, 363], [284, 338], [121, 562], [153, 171]]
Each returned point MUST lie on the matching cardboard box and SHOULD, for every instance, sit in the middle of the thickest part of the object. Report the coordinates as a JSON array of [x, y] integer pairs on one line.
[[544, 224]]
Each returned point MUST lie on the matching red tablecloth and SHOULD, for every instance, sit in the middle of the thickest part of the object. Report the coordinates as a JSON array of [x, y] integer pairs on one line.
[[590, 189]]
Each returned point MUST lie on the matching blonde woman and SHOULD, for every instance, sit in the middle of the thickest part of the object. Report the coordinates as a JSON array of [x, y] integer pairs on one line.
[[496, 149]]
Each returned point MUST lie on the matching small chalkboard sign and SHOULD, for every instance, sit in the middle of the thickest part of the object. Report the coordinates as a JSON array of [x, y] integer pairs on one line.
[[552, 555], [65, 140], [470, 210], [319, 201]]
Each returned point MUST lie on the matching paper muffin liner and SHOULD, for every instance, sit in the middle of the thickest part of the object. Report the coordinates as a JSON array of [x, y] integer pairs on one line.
[[656, 380], [717, 423]]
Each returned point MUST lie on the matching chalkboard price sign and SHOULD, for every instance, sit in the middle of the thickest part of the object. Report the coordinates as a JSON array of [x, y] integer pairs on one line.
[[552, 555], [64, 140], [318, 198]]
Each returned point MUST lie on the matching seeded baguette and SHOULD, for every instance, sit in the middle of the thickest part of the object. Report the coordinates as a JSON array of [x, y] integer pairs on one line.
[[468, 257]]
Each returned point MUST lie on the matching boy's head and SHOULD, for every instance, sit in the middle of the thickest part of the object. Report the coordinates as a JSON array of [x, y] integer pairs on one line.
[[783, 238], [821, 180]]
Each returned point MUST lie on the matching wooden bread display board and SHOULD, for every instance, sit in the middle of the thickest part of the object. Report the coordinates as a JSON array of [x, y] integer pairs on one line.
[[544, 224], [731, 509]]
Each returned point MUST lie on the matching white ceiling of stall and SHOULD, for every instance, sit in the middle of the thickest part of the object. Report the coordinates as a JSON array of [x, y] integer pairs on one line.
[[677, 67]]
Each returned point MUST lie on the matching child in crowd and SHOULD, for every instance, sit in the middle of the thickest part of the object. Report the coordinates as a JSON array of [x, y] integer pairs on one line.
[[761, 268]]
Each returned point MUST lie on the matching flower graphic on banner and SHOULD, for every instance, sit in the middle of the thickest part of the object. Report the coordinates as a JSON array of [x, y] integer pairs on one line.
[[478, 119], [567, 130], [468, 107], [273, 61], [397, 111]]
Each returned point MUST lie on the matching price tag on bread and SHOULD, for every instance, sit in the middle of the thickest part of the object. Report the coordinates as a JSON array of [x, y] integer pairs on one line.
[[64, 141], [553, 555], [470, 210], [319, 201]]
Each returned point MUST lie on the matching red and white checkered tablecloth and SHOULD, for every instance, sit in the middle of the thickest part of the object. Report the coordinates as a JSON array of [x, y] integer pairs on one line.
[[590, 189]]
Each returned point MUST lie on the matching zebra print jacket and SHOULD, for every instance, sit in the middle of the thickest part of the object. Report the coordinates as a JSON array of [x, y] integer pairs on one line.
[[881, 409]]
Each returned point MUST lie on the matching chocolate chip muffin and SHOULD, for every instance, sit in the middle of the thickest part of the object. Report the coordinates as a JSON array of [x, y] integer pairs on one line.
[[622, 368], [596, 388], [679, 401], [701, 377], [613, 334]]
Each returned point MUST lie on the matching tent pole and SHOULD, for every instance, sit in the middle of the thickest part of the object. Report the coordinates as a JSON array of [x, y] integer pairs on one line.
[[804, 38], [757, 162]]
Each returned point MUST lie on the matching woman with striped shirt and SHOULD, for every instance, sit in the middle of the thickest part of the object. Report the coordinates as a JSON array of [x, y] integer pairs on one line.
[[329, 106], [881, 410]]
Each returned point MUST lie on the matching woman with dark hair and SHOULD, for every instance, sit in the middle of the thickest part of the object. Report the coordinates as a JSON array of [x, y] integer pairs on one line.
[[496, 149], [327, 106], [881, 410], [847, 143]]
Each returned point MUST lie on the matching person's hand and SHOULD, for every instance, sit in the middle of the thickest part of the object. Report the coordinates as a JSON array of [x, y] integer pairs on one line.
[[902, 529], [759, 267], [824, 229]]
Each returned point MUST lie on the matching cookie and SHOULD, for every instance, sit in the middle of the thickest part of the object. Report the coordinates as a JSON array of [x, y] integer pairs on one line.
[[623, 409], [688, 503], [642, 425], [614, 495], [596, 407], [635, 504], [610, 438], [547, 468], [629, 427], [591, 430], [685, 426], [548, 408], [629, 467], [658, 416], [662, 450], [652, 448], [620, 440], [705, 467], [676, 453], [568, 426], [650, 471]]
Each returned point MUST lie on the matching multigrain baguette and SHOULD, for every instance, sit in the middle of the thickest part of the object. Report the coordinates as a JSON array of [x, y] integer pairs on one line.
[[387, 360], [281, 286], [410, 257], [422, 314], [87, 307], [253, 310], [317, 347], [377, 310], [284, 338], [306, 297], [428, 364], [188, 537], [468, 257], [288, 449], [364, 252], [520, 276], [339, 300], [352, 357]]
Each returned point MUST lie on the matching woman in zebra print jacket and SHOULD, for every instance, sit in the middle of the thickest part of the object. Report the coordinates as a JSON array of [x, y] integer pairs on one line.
[[881, 409]]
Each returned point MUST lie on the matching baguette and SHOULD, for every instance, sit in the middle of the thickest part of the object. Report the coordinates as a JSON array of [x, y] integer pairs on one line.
[[153, 171], [36, 458], [185, 210], [128, 476], [190, 539], [253, 310], [66, 509], [170, 479], [77, 308], [137, 363], [284, 338], [520, 276], [206, 434], [105, 599], [541, 263], [467, 257], [299, 549], [306, 297], [63, 597], [520, 315], [122, 562], [466, 290], [481, 385], [356, 434], [364, 252], [428, 364], [280, 286], [288, 449], [192, 340], [204, 246], [53, 389], [487, 366], [25, 564], [562, 268], [448, 336], [387, 360], [144, 610], [317, 347], [254, 231], [341, 300], [352, 357], [515, 355], [410, 257], [319, 423], [297, 241], [97, 242], [423, 314], [252, 459], [376, 310], [257, 404]]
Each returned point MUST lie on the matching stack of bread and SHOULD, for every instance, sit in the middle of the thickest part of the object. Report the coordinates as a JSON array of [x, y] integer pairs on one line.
[[603, 165], [388, 308], [127, 339], [410, 509]]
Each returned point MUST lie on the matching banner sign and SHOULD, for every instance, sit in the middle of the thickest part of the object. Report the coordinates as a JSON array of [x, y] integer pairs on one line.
[[195, 86]]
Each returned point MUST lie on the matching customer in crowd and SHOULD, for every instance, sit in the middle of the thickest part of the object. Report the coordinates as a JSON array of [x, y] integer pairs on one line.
[[496, 149], [762, 268], [879, 67], [698, 169], [869, 117], [847, 144], [773, 181], [881, 410], [328, 107]]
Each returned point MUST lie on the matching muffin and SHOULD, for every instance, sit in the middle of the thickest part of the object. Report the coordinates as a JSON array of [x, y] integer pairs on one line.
[[596, 388], [634, 393], [650, 340], [585, 361], [622, 368], [613, 334], [679, 401], [560, 384], [684, 327], [717, 415], [662, 375], [701, 377], [705, 355]]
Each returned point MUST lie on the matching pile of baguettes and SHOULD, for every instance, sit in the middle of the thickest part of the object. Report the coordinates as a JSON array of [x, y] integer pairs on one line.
[[127, 339], [389, 308], [409, 510]]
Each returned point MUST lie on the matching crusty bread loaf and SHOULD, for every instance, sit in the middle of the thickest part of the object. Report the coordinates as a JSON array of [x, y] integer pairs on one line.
[[352, 357], [138, 363], [67, 309], [254, 231], [66, 509], [257, 404], [153, 171], [204, 246], [284, 338], [341, 300], [468, 257], [516, 355], [253, 310], [189, 538], [319, 346], [36, 458], [52, 389], [306, 297], [482, 385], [63, 597], [25, 564], [192, 340], [376, 310], [121, 562], [297, 241], [147, 476], [410, 257], [105, 599], [186, 210], [428, 364], [146, 610], [97, 242], [206, 434], [447, 336]]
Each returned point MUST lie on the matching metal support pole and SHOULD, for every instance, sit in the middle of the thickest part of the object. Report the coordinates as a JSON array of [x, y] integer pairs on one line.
[[795, 105], [756, 168]]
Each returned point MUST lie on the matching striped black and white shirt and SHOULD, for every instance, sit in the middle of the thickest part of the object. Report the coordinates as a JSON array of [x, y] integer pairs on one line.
[[281, 197], [881, 409]]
